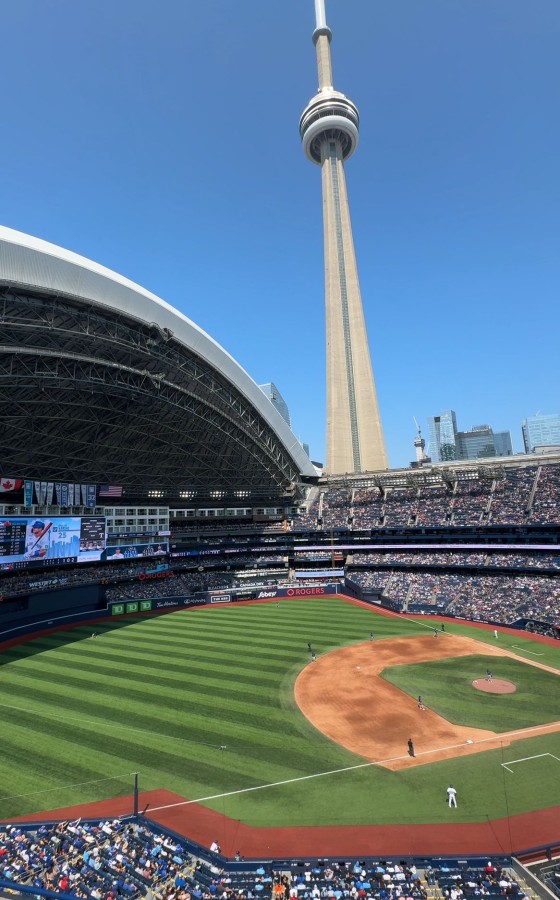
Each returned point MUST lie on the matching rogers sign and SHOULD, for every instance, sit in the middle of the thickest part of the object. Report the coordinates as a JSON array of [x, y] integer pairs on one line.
[[304, 592], [147, 576]]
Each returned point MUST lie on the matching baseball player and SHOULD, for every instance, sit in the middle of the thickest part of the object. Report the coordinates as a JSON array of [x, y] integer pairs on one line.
[[38, 540]]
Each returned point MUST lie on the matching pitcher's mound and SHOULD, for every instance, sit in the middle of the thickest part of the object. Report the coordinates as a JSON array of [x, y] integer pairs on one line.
[[496, 686]]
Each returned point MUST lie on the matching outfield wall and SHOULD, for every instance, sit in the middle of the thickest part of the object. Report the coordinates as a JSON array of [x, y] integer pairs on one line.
[[86, 604], [36, 606]]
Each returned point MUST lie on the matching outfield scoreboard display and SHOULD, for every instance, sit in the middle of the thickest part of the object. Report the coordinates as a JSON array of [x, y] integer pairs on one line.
[[39, 541]]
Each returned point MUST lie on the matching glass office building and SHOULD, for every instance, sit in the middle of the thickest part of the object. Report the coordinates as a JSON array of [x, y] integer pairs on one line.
[[482, 442], [446, 443], [442, 436], [541, 431], [277, 400]]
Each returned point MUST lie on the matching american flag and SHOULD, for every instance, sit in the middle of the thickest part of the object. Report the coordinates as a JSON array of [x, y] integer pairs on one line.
[[109, 490]]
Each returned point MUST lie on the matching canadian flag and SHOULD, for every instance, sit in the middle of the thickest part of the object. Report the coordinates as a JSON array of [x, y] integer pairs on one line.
[[10, 484]]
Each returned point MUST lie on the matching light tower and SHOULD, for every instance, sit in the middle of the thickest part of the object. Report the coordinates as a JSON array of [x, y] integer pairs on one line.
[[329, 132]]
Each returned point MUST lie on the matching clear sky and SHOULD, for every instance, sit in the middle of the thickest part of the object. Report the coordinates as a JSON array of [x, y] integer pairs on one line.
[[161, 140]]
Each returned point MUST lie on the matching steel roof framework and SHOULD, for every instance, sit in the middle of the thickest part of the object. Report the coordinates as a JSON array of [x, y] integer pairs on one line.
[[91, 394]]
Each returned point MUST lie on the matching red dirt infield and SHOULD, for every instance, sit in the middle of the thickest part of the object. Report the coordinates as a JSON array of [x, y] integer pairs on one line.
[[498, 837], [496, 686], [344, 696]]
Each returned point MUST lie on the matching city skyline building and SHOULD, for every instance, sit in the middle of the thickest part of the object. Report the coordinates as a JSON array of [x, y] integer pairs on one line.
[[541, 431], [447, 443], [442, 432], [271, 391], [481, 441], [329, 128]]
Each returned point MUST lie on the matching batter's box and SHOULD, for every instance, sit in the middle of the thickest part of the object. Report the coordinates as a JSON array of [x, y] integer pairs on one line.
[[512, 762]]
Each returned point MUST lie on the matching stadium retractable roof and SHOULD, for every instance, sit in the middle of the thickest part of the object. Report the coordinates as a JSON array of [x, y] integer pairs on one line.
[[102, 381]]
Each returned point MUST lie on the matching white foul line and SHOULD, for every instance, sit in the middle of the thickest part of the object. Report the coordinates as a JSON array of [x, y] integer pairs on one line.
[[511, 762], [379, 762], [523, 650]]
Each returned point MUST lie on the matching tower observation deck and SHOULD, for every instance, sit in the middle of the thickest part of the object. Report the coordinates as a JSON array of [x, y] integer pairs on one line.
[[329, 128]]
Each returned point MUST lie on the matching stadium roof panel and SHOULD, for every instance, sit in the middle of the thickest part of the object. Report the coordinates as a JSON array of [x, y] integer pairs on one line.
[[79, 339]]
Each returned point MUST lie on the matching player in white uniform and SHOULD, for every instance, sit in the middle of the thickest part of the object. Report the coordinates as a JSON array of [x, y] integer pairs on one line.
[[452, 796], [38, 540]]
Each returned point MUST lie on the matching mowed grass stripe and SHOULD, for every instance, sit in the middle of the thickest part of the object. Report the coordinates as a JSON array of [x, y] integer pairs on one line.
[[188, 717], [271, 752], [147, 713], [152, 752], [69, 728], [177, 694], [138, 663], [220, 669]]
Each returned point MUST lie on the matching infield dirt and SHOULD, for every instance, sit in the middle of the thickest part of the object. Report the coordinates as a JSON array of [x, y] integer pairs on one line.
[[344, 696]]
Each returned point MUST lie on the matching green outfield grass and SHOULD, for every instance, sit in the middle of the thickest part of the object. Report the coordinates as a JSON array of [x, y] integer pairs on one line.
[[164, 695], [446, 687]]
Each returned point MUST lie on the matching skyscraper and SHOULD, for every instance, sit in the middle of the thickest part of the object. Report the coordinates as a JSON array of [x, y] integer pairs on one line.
[[277, 400], [541, 431], [329, 132], [447, 443], [442, 436]]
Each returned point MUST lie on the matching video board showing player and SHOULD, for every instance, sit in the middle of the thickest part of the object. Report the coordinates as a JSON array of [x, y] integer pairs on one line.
[[29, 541], [136, 551]]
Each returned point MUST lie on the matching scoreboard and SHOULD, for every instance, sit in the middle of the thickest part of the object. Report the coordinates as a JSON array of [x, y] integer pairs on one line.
[[12, 537], [43, 541]]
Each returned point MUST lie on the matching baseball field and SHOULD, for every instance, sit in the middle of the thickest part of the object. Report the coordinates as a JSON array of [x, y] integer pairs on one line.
[[224, 706]]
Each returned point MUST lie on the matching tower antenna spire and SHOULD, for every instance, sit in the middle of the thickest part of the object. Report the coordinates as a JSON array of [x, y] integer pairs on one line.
[[320, 14], [322, 39]]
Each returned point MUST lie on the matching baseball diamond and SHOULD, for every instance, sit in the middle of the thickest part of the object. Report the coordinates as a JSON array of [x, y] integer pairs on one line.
[[203, 704]]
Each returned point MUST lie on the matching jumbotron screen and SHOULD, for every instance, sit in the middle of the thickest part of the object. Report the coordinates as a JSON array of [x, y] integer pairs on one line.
[[27, 541]]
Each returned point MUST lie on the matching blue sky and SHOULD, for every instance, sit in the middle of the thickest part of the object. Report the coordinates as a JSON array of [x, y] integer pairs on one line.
[[161, 140]]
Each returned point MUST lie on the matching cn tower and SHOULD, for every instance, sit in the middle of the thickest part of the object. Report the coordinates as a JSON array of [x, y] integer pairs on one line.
[[329, 131]]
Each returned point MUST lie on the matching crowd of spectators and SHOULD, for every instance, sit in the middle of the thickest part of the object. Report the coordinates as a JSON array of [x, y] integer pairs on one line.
[[546, 499], [219, 524], [356, 880], [514, 496], [463, 881], [51, 579], [335, 508], [176, 586], [432, 506], [387, 880], [450, 559], [511, 497], [188, 583], [493, 598], [107, 861], [430, 558], [43, 579], [127, 859]]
